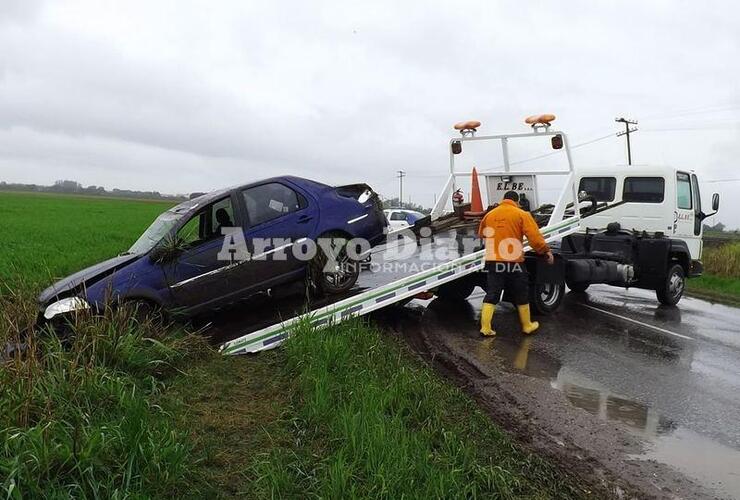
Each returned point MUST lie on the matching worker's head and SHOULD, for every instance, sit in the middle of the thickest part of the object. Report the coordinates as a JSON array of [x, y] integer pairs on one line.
[[512, 195]]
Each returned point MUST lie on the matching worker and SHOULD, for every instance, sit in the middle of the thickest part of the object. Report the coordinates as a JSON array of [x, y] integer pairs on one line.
[[503, 229], [524, 203]]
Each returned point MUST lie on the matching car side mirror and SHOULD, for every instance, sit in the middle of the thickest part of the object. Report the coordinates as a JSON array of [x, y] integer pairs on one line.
[[715, 202], [557, 141], [456, 147]]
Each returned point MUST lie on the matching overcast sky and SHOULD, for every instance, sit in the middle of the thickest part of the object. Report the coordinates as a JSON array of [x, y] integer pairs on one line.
[[182, 96]]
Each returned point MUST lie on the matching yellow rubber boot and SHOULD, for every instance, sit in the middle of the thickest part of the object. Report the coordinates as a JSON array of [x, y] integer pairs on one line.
[[486, 318], [528, 326]]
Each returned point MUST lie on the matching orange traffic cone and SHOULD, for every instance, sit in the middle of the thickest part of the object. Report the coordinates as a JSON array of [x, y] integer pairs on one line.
[[476, 202]]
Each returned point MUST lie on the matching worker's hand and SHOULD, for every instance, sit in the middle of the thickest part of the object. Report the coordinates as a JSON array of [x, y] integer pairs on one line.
[[550, 258]]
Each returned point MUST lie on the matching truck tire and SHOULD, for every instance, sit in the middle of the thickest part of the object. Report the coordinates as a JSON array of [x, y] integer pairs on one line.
[[545, 298], [576, 286], [456, 290], [673, 286]]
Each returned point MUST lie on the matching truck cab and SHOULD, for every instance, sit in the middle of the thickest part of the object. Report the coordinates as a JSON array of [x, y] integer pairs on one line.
[[656, 207], [656, 199]]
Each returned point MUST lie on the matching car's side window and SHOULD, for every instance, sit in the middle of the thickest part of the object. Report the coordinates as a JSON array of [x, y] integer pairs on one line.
[[398, 216], [270, 201], [207, 223]]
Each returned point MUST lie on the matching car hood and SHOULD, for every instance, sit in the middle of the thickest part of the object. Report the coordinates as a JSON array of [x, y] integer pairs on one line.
[[71, 284]]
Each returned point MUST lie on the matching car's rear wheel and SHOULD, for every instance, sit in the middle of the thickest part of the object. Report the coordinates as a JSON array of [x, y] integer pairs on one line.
[[336, 273]]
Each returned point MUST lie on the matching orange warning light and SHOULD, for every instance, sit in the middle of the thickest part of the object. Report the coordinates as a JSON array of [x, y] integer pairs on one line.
[[539, 119]]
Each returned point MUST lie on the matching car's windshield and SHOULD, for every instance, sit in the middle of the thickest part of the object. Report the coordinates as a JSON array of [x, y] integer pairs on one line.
[[158, 230]]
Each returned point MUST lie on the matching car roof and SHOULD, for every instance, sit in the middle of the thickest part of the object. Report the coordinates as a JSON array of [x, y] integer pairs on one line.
[[212, 196]]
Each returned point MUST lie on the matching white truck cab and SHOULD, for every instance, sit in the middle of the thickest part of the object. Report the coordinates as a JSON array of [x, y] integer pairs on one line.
[[656, 199]]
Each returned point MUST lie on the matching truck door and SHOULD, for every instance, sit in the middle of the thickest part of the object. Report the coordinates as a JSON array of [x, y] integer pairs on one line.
[[684, 217]]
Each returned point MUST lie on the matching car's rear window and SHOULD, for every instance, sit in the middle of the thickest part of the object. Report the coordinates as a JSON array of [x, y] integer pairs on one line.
[[601, 188], [644, 189]]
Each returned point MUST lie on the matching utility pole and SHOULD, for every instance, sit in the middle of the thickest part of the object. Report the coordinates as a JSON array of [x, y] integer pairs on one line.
[[401, 175], [627, 132]]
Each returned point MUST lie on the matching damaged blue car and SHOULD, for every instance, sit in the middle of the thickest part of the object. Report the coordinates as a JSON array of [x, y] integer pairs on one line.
[[230, 244]]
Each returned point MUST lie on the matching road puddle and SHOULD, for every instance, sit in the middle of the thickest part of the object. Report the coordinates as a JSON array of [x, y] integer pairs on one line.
[[698, 457], [707, 461]]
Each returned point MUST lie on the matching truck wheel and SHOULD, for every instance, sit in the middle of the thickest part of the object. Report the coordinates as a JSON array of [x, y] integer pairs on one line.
[[337, 280], [456, 290], [673, 286], [546, 297], [576, 286]]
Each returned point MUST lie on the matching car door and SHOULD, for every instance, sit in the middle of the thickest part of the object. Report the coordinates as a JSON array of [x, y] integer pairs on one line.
[[199, 276], [278, 215]]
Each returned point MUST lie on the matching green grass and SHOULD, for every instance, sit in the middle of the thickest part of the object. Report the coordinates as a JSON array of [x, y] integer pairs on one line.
[[721, 279], [375, 423], [80, 419], [49, 236]]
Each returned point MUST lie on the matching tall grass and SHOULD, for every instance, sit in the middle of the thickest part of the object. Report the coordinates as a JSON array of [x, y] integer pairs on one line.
[[723, 261], [369, 421], [79, 416]]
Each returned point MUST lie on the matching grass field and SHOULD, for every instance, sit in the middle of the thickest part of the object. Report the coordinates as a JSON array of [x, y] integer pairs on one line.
[[721, 279], [47, 236], [130, 410]]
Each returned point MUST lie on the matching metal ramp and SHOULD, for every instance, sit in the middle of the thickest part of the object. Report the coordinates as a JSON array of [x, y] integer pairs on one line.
[[386, 286]]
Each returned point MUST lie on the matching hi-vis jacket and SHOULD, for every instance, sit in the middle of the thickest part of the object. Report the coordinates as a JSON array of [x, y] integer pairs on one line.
[[503, 229]]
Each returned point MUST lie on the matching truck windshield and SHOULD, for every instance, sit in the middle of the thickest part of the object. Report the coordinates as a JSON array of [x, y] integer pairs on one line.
[[154, 234]]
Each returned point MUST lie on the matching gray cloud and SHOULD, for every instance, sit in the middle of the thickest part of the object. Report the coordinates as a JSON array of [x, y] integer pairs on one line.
[[189, 96]]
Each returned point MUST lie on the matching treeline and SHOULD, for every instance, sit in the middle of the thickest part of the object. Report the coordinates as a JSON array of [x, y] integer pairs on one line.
[[394, 203], [74, 187]]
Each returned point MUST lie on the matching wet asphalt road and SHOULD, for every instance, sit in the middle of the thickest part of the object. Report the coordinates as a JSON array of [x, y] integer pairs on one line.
[[668, 375]]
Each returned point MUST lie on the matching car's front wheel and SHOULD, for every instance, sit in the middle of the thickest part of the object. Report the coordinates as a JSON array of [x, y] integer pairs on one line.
[[336, 273]]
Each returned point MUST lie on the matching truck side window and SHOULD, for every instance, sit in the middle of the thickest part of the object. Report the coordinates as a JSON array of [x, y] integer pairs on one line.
[[683, 191], [601, 188], [270, 201], [644, 189]]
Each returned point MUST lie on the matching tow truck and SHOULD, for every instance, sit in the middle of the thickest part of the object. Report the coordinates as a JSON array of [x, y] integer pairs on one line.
[[631, 226]]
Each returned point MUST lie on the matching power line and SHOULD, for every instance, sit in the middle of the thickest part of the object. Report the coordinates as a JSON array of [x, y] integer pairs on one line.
[[575, 146]]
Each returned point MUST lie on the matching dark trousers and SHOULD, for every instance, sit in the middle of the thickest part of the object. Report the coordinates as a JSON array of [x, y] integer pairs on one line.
[[510, 276]]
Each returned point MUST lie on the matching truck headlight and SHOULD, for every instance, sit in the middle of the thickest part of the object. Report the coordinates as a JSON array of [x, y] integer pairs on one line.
[[65, 305]]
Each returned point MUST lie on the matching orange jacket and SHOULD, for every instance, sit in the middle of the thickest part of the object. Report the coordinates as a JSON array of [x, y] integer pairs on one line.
[[509, 224]]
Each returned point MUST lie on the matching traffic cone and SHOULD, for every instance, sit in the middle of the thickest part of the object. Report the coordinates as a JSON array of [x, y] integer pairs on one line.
[[476, 202]]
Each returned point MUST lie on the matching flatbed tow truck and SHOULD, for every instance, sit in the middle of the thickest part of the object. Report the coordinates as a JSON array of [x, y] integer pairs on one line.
[[441, 255]]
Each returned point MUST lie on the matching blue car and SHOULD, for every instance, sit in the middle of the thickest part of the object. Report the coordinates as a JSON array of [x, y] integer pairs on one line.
[[230, 244]]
